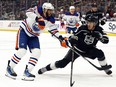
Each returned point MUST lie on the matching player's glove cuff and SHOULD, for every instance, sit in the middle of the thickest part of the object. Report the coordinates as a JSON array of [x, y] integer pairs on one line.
[[63, 41]]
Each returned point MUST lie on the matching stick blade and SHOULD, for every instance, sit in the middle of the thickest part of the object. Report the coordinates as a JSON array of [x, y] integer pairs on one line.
[[72, 84]]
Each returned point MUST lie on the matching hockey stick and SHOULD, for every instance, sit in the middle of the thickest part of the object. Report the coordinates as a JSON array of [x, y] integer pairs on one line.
[[71, 73], [99, 68]]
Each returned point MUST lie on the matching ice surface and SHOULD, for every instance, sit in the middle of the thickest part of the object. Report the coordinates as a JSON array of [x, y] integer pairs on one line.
[[85, 75]]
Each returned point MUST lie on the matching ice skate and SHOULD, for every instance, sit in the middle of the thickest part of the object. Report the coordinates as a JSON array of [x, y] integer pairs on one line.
[[107, 71], [10, 72], [27, 75], [42, 70]]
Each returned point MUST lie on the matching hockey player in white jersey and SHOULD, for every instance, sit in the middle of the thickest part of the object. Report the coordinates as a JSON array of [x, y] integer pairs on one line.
[[72, 18], [38, 18]]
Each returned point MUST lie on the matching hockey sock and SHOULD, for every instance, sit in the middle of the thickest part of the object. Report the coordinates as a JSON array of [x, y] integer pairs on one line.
[[17, 57], [31, 64], [34, 58], [49, 67], [14, 61], [103, 62]]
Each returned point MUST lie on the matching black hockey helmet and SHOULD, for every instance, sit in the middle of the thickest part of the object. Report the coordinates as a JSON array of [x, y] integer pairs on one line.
[[92, 18]]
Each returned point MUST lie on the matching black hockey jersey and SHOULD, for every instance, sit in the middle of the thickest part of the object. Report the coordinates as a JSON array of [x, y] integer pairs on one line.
[[85, 39]]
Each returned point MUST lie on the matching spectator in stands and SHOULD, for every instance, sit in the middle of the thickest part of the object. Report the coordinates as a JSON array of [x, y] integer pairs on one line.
[[7, 6], [61, 14], [110, 12], [97, 13], [78, 10]]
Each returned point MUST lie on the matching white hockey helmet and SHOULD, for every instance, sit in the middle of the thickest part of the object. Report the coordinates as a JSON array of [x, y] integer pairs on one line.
[[71, 7], [48, 6]]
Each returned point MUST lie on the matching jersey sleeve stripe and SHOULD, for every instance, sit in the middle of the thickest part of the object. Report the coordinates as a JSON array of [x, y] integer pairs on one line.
[[29, 29]]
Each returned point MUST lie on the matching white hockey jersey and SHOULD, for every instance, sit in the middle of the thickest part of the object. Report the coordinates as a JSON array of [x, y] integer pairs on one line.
[[30, 23], [71, 19]]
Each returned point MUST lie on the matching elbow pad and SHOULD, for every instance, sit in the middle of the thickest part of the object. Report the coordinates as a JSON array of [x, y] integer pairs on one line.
[[104, 39]]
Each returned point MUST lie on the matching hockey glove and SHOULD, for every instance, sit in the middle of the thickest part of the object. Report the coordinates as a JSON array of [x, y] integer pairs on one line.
[[77, 24], [41, 23], [102, 22], [83, 21], [104, 39], [63, 41]]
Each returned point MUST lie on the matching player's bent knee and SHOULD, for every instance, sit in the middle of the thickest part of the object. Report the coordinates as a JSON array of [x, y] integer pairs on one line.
[[36, 53], [100, 55], [62, 63], [21, 52]]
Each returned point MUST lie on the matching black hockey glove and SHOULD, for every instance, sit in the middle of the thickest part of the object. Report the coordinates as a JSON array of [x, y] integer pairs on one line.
[[99, 36], [102, 22], [104, 39], [63, 41]]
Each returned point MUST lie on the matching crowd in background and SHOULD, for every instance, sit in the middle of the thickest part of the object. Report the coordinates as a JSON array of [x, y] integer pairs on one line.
[[15, 9]]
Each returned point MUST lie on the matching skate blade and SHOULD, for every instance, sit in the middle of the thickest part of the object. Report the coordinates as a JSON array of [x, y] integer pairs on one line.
[[9, 76], [28, 78]]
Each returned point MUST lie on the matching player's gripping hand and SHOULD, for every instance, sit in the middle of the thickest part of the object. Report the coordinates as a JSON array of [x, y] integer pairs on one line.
[[63, 41], [77, 24], [41, 23], [104, 39], [103, 22]]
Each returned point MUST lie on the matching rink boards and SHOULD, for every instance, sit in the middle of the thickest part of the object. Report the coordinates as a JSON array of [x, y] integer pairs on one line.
[[10, 25]]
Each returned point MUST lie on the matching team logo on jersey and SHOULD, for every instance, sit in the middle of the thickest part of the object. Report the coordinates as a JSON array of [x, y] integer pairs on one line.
[[89, 39], [71, 20], [35, 27]]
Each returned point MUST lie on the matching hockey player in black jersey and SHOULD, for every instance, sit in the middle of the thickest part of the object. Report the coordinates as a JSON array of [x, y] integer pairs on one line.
[[85, 40]]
